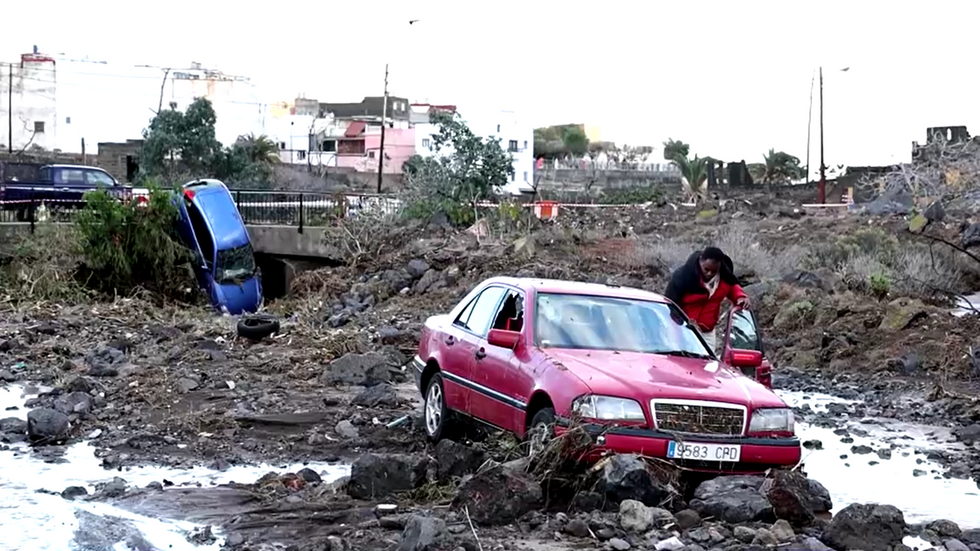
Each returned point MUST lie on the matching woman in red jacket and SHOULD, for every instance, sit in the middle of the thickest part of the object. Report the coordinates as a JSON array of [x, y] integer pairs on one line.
[[700, 286]]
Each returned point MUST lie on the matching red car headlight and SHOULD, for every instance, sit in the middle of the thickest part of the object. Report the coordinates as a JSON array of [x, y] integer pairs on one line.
[[607, 408], [772, 420]]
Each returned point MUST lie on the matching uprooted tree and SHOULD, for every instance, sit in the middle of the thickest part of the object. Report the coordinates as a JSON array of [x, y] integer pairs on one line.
[[463, 170]]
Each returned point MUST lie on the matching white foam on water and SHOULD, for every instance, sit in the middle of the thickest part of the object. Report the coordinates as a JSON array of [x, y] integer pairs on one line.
[[43, 522]]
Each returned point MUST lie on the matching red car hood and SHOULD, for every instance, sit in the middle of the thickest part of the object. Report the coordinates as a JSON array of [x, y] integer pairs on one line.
[[653, 376]]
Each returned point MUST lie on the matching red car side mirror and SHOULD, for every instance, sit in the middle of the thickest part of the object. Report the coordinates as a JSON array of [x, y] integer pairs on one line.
[[503, 338], [745, 358]]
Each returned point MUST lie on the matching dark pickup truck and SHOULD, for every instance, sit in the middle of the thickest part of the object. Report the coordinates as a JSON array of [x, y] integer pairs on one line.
[[58, 186]]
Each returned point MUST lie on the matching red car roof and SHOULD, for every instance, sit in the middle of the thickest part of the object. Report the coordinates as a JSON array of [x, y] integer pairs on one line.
[[577, 288]]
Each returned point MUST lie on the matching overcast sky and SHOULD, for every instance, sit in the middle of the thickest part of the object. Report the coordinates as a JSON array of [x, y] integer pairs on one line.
[[731, 78]]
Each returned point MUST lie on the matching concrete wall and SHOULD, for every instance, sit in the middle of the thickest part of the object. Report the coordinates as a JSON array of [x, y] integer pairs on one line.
[[286, 241]]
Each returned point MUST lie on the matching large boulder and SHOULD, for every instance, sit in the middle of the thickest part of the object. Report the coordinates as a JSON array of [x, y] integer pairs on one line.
[[498, 496], [733, 499], [627, 477], [73, 403], [637, 517], [866, 526], [357, 369], [789, 494], [45, 425], [820, 501], [455, 460], [374, 475]]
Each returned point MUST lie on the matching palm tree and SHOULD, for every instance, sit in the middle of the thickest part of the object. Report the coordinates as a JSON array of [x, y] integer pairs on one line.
[[694, 177], [259, 149], [778, 167]]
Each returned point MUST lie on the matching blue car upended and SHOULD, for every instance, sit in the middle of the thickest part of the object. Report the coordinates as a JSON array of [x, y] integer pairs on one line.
[[211, 226]]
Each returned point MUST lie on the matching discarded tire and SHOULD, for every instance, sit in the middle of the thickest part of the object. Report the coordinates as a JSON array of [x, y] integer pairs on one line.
[[257, 327]]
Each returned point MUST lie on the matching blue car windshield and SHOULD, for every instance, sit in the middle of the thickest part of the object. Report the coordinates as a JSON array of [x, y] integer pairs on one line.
[[616, 324], [235, 264]]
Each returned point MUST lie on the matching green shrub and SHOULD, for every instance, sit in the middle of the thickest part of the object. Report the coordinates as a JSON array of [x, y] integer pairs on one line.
[[880, 284], [129, 247]]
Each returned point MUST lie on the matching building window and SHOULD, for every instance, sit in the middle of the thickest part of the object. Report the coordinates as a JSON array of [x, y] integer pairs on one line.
[[426, 143], [525, 175], [301, 155], [39, 127], [498, 128], [370, 154], [512, 146], [329, 146], [525, 144], [67, 120], [282, 145]]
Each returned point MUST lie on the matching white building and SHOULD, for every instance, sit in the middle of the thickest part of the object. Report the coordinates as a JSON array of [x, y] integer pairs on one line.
[[516, 136], [59, 101]]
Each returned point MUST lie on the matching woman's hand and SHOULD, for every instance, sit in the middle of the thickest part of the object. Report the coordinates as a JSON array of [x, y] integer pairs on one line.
[[744, 302]]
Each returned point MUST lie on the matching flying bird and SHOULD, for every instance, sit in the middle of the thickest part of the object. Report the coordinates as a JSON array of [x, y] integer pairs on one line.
[[413, 21]]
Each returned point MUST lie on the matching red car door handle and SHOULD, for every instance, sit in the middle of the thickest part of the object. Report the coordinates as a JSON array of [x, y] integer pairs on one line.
[[481, 353], [450, 341]]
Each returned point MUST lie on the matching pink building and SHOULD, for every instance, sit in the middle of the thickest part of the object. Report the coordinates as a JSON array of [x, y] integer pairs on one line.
[[360, 145]]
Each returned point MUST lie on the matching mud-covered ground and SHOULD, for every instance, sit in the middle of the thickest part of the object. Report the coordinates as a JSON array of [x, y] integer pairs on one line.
[[176, 386]]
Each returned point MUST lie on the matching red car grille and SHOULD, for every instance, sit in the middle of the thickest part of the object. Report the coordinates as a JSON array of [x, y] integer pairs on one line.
[[695, 417]]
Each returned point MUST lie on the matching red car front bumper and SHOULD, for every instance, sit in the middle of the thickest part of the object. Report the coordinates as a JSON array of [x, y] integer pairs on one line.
[[756, 454]]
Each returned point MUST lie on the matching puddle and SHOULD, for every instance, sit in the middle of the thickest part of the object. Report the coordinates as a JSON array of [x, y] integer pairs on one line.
[[969, 304], [905, 479], [48, 522]]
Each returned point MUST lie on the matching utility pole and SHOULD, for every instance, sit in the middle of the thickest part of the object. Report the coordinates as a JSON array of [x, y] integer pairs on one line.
[[809, 128], [822, 190], [10, 108], [384, 117]]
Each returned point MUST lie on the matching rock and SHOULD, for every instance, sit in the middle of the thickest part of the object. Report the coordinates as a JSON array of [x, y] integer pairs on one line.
[[347, 430], [417, 268], [765, 537], [733, 499], [186, 384], [669, 544], [900, 313], [789, 495], [74, 402], [744, 534], [309, 475], [429, 281], [970, 536], [374, 475], [105, 361], [783, 531], [7, 376], [626, 477], [47, 426], [619, 544], [357, 369], [455, 460], [820, 501], [968, 435], [812, 280], [970, 236], [866, 526], [687, 519], [114, 488], [935, 212], [13, 425], [637, 517], [578, 528], [861, 450], [498, 496], [72, 492], [377, 395], [955, 545], [421, 533], [813, 544], [945, 528]]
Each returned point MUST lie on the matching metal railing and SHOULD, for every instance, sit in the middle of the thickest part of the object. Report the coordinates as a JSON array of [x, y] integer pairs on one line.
[[282, 208]]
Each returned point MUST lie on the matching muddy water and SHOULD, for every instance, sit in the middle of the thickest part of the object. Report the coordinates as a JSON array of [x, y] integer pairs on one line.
[[41, 522], [895, 471]]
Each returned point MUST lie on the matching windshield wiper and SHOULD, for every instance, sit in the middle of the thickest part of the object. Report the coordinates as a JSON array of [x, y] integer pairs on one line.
[[682, 354]]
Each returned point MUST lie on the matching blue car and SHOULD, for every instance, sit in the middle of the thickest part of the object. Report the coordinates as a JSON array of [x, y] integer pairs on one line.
[[212, 228]]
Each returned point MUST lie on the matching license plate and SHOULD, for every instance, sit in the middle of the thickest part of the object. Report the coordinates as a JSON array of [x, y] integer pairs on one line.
[[700, 451]]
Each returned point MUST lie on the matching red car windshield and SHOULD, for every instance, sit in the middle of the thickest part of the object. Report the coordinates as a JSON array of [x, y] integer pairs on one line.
[[606, 323]]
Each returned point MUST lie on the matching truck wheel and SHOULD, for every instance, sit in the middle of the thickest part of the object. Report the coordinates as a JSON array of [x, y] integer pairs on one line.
[[257, 327]]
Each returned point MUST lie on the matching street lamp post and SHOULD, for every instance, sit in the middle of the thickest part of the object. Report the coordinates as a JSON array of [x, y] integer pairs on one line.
[[384, 124], [822, 189]]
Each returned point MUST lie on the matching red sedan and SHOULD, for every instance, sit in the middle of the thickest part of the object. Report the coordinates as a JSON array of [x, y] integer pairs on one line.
[[526, 355]]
